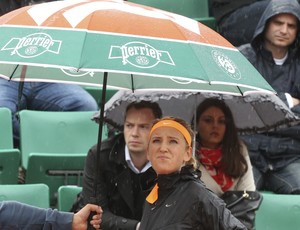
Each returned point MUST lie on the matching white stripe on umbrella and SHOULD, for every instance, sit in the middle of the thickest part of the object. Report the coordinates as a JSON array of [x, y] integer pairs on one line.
[[75, 15]]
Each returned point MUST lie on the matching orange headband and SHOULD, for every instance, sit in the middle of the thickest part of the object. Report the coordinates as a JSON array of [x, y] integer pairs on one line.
[[176, 125]]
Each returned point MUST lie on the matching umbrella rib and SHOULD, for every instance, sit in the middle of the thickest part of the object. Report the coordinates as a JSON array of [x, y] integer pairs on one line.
[[240, 91], [13, 73], [132, 83]]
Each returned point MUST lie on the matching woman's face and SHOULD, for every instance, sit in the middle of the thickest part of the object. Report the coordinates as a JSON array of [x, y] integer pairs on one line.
[[168, 150], [212, 127]]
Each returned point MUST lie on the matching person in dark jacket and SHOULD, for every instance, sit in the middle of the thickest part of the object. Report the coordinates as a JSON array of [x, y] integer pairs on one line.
[[179, 200], [125, 172], [16, 215], [275, 156], [237, 19]]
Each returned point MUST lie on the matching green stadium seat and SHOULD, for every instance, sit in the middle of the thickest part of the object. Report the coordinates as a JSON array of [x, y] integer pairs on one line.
[[66, 197], [208, 21], [188, 8], [57, 132], [32, 194], [10, 160], [6, 131], [55, 170], [278, 212], [195, 9], [96, 92]]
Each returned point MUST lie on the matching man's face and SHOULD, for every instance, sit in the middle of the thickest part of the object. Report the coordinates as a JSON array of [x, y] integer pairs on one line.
[[281, 31], [137, 126]]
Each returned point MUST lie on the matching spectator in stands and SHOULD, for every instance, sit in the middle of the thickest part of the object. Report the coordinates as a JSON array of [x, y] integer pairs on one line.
[[44, 97], [274, 51], [15, 215], [40, 96], [223, 158], [237, 19], [124, 171]]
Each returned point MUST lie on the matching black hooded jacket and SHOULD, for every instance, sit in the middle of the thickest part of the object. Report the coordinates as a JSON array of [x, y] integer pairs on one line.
[[184, 203], [275, 150], [282, 78]]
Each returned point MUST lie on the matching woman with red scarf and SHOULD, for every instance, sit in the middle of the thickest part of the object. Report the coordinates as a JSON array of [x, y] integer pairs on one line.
[[223, 158]]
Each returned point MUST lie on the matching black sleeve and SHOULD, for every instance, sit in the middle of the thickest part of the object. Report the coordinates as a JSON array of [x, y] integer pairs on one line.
[[110, 221]]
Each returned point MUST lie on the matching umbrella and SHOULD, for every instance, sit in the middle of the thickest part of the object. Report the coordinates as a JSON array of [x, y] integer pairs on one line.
[[253, 112], [119, 44], [79, 40]]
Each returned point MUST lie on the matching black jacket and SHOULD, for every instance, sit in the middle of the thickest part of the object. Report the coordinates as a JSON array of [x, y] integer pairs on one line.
[[120, 192], [284, 79], [184, 203], [220, 8], [274, 150]]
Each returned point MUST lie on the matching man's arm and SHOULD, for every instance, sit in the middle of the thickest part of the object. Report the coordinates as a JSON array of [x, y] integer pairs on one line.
[[109, 219], [15, 215]]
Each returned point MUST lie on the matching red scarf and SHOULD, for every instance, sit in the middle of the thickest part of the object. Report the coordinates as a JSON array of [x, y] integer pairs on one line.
[[211, 160]]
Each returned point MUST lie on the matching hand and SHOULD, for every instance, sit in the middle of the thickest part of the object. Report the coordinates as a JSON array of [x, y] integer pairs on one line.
[[138, 225], [80, 218], [296, 101]]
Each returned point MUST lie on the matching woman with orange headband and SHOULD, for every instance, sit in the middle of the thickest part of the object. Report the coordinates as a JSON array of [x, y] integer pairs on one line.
[[179, 200]]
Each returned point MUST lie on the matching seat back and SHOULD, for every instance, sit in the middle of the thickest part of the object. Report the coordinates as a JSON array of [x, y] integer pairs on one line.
[[6, 131], [278, 212], [55, 170], [66, 196], [96, 92], [188, 8], [32, 194], [56, 132], [195, 9], [10, 160]]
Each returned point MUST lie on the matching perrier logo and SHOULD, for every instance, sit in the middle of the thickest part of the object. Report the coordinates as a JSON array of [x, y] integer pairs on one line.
[[140, 55], [33, 45]]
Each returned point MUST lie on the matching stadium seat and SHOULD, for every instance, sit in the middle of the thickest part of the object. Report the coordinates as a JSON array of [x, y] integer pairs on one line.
[[32, 194], [96, 92], [188, 8], [66, 196], [57, 132], [278, 212], [10, 160], [208, 21], [195, 9], [55, 170], [6, 131]]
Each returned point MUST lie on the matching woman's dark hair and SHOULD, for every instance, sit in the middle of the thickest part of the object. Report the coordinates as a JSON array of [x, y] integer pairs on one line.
[[233, 161]]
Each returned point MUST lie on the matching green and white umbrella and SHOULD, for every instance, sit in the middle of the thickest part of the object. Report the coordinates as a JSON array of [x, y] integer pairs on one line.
[[76, 41]]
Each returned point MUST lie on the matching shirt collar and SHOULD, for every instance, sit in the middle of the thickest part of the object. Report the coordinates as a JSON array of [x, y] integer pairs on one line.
[[131, 165]]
